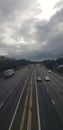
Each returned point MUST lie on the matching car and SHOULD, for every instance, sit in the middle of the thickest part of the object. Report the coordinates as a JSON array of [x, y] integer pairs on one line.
[[49, 71], [39, 79], [8, 73], [47, 78]]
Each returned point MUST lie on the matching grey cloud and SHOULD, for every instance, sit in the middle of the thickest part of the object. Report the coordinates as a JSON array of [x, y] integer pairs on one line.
[[59, 4], [27, 29], [51, 34], [7, 7], [41, 38], [45, 30], [48, 32]]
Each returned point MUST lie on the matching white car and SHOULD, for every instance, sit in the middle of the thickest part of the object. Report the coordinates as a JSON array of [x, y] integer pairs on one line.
[[8, 73], [47, 78], [49, 71], [39, 79]]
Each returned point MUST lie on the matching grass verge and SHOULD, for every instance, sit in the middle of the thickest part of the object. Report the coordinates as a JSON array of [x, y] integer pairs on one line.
[[59, 71], [1, 74]]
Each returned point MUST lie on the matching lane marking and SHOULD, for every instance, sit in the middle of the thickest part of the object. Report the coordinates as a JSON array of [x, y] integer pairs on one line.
[[30, 112], [10, 127], [31, 82], [39, 126], [23, 117], [53, 101], [47, 90], [1, 105]]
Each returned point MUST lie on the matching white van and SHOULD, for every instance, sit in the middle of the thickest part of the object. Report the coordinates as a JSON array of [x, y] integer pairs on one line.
[[8, 73]]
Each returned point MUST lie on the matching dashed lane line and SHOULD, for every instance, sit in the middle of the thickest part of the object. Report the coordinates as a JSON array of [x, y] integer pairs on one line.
[[53, 101], [1, 105]]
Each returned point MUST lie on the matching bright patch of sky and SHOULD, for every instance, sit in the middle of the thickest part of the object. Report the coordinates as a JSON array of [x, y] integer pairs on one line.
[[47, 7]]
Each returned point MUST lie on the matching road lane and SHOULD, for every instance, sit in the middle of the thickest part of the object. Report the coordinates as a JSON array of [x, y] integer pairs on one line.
[[8, 109], [53, 91], [10, 85], [48, 116], [18, 73], [48, 96], [34, 121], [18, 117]]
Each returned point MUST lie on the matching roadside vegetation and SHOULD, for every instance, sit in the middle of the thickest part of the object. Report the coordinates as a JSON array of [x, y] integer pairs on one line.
[[1, 74], [59, 71], [8, 63], [55, 65]]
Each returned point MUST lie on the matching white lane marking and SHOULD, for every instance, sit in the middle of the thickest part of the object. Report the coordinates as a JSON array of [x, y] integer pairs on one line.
[[39, 126], [53, 101], [31, 82], [30, 112], [1, 105], [10, 127], [47, 90], [23, 116]]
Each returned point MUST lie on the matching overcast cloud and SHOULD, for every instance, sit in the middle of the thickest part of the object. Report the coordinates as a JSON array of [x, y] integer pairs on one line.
[[29, 30]]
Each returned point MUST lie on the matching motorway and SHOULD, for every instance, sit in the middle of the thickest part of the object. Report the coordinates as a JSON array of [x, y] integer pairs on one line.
[[10, 90], [47, 100], [50, 101]]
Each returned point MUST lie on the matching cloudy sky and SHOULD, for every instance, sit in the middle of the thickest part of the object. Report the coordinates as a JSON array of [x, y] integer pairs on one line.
[[31, 29]]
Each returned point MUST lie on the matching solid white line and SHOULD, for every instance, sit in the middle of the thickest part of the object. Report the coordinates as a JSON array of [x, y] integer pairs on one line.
[[47, 89], [1, 105], [53, 101], [39, 126], [23, 117], [17, 105]]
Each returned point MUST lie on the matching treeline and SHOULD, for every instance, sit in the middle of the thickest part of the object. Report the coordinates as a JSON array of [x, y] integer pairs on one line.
[[52, 64], [7, 63]]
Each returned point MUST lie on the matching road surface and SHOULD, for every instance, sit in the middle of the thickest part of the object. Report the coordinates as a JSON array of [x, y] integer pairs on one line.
[[47, 100]]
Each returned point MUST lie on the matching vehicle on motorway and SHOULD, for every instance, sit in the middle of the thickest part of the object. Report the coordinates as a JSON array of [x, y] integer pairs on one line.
[[49, 71], [8, 73], [47, 78], [39, 79]]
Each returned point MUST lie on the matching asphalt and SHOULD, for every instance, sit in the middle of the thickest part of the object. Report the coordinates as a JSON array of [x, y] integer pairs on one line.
[[19, 113], [8, 85], [50, 99], [34, 121], [7, 110], [49, 116], [55, 90]]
